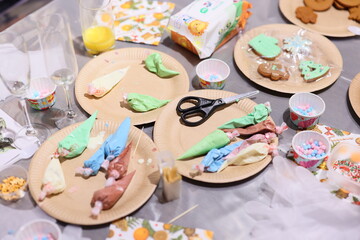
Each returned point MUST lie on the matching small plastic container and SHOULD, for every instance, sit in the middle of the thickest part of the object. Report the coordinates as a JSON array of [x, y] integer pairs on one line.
[[40, 228], [303, 121], [42, 94], [17, 172], [340, 175], [302, 159], [212, 73]]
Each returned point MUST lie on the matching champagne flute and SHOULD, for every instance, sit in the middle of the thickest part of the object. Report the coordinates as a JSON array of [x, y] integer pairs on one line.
[[15, 73], [59, 55]]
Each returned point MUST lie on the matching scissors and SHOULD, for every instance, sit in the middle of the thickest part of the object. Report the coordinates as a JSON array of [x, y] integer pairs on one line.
[[204, 107]]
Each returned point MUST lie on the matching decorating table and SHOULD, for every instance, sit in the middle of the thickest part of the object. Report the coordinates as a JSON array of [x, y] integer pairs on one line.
[[220, 205]]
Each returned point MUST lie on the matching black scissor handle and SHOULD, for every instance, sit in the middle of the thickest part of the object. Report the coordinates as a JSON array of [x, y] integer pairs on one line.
[[203, 108], [197, 102]]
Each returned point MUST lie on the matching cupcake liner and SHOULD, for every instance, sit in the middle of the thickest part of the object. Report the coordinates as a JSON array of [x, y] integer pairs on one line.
[[45, 89], [343, 151], [303, 121], [215, 68], [37, 228], [303, 160]]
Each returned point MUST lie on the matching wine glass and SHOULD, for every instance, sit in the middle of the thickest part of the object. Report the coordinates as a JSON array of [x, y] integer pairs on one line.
[[15, 74], [59, 55]]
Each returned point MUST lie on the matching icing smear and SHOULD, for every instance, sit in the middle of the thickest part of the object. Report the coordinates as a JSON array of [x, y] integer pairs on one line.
[[97, 140]]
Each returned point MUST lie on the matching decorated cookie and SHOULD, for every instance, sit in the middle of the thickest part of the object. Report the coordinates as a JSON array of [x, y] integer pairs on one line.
[[306, 15], [265, 46], [296, 45], [319, 5], [355, 13], [312, 71], [274, 71], [349, 3]]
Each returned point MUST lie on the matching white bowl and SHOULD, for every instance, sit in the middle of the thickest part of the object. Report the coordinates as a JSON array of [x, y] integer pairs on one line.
[[37, 228], [303, 160], [212, 67], [304, 98]]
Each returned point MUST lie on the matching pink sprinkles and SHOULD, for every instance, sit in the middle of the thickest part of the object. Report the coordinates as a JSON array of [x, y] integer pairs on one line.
[[312, 149]]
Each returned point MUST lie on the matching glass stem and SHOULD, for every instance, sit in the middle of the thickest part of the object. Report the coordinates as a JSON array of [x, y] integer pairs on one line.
[[70, 112], [30, 131]]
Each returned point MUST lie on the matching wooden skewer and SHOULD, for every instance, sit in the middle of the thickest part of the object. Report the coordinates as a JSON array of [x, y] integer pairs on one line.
[[182, 214], [138, 141]]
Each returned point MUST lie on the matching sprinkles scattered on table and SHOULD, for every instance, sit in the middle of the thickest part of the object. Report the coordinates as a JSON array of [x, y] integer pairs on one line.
[[348, 168], [312, 149], [305, 110]]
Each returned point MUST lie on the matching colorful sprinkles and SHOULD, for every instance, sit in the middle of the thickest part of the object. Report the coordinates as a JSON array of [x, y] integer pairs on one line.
[[305, 110], [312, 149], [348, 168]]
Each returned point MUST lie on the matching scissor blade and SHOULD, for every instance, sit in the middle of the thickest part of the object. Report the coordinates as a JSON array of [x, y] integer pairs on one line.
[[240, 96]]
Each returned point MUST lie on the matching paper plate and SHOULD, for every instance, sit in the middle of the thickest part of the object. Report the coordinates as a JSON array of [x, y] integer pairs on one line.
[[171, 135], [137, 80], [73, 205], [332, 23], [354, 95], [322, 51]]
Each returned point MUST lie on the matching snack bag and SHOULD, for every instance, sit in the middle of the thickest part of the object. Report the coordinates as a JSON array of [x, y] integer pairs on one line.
[[203, 26]]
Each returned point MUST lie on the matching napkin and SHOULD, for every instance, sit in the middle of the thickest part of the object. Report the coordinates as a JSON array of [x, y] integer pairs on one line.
[[138, 228], [141, 21], [25, 146]]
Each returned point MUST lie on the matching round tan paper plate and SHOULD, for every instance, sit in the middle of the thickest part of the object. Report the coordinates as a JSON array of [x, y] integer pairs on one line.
[[333, 22], [354, 95], [137, 80], [73, 205], [323, 51], [171, 135]]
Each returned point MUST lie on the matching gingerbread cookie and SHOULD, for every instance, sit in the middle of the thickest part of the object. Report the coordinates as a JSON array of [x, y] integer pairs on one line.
[[319, 5], [312, 71], [306, 15], [265, 46], [355, 13], [349, 3], [297, 44], [274, 71], [338, 6]]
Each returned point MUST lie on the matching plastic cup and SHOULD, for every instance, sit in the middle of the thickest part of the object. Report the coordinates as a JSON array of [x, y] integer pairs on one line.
[[303, 160], [343, 152], [212, 73], [303, 121], [14, 171], [97, 23], [42, 94], [38, 228]]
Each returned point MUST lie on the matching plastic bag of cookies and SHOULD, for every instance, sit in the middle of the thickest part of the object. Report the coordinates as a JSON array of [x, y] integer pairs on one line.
[[199, 28]]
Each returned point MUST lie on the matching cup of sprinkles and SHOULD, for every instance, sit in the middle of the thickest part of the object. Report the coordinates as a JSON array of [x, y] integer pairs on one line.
[[212, 73], [306, 109], [13, 183], [41, 94], [310, 149], [39, 229], [344, 167]]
